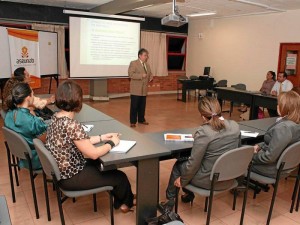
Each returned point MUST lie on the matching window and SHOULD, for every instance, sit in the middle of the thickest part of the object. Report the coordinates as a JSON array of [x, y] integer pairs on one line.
[[176, 52]]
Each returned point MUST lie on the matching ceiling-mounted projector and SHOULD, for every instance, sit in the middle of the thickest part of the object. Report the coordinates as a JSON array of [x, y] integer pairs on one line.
[[174, 19]]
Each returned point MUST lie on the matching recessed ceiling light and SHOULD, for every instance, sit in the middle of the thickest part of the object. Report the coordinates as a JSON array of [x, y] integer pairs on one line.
[[142, 7], [201, 14]]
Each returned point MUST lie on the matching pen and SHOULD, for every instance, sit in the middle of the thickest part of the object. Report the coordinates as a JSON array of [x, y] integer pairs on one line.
[[84, 125]]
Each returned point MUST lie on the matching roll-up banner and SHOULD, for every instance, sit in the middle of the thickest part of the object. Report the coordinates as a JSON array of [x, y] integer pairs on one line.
[[24, 52]]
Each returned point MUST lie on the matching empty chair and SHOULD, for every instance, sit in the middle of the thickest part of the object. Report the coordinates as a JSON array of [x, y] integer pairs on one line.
[[194, 77], [224, 170], [51, 169], [16, 146], [239, 87], [220, 83], [287, 162], [207, 86]]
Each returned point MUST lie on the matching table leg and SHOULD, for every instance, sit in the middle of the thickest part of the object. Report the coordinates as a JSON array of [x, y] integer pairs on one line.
[[183, 94], [221, 103], [57, 80], [50, 85], [253, 112], [147, 189]]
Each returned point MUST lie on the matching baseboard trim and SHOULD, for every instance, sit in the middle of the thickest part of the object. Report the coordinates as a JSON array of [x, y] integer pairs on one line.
[[101, 98], [121, 95]]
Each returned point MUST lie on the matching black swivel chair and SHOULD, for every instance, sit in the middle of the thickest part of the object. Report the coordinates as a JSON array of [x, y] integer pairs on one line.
[[239, 87]]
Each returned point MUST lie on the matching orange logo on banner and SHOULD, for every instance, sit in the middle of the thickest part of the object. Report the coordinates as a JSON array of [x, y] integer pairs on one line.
[[24, 52]]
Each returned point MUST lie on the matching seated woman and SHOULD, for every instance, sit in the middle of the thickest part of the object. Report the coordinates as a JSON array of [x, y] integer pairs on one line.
[[19, 119], [268, 83], [215, 137], [69, 144], [283, 133], [22, 76]]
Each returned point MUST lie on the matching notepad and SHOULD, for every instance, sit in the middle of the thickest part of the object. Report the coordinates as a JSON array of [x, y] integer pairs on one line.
[[178, 137], [87, 127], [123, 147], [249, 133]]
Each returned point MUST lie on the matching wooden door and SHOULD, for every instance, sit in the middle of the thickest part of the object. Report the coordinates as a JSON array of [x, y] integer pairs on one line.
[[289, 61]]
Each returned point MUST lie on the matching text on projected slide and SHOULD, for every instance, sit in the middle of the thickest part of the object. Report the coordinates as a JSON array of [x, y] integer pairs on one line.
[[107, 42]]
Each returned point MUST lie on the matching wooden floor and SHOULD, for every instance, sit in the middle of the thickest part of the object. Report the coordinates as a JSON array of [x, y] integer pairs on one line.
[[163, 113]]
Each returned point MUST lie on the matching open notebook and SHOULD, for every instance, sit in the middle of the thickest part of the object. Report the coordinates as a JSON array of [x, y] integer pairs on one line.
[[123, 147]]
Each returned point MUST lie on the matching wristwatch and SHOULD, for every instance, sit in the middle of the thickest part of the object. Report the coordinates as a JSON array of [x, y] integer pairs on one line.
[[111, 143]]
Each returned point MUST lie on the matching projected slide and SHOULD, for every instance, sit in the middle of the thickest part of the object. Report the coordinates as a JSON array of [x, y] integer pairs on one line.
[[106, 42], [102, 48]]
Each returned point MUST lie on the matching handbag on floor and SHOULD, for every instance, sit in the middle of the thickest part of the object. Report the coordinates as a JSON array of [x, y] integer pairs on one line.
[[170, 218]]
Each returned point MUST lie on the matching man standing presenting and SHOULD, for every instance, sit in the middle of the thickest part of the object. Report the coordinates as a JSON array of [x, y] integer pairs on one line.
[[140, 75], [282, 84]]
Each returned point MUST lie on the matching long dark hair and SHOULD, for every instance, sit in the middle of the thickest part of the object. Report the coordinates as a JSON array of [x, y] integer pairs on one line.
[[17, 95], [19, 74], [273, 75]]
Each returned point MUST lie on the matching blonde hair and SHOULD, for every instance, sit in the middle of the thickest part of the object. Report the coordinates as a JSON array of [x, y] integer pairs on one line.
[[210, 109], [289, 106]]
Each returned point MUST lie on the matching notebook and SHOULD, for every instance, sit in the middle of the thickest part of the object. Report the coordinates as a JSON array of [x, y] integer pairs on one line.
[[178, 137], [249, 133], [123, 147]]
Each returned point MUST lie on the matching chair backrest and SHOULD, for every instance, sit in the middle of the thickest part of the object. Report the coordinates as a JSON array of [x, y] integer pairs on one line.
[[16, 143], [290, 156], [47, 160], [3, 114], [233, 163], [222, 83], [239, 86], [194, 77], [182, 77]]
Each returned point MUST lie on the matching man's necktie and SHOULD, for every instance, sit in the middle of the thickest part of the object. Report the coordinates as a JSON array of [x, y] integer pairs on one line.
[[145, 68]]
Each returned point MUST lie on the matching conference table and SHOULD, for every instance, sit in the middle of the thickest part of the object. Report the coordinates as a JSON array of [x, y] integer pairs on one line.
[[145, 155], [187, 84], [262, 124], [87, 113], [254, 99], [179, 147]]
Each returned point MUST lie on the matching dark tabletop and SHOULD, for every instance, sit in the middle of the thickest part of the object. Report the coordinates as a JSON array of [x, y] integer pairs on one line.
[[260, 124], [145, 148], [174, 146]]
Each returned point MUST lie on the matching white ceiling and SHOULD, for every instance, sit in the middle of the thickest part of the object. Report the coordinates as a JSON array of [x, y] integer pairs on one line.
[[223, 8], [74, 4]]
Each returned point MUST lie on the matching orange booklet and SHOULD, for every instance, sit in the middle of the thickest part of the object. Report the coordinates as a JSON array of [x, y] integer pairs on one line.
[[178, 137]]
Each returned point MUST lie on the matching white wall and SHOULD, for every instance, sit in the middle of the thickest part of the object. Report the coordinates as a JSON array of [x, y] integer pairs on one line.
[[240, 49]]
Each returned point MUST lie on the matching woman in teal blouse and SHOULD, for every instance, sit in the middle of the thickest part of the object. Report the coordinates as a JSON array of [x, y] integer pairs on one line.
[[20, 120]]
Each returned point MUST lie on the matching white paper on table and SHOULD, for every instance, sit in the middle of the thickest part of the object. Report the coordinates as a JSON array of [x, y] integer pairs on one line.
[[178, 137], [249, 133], [123, 147], [87, 127]]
